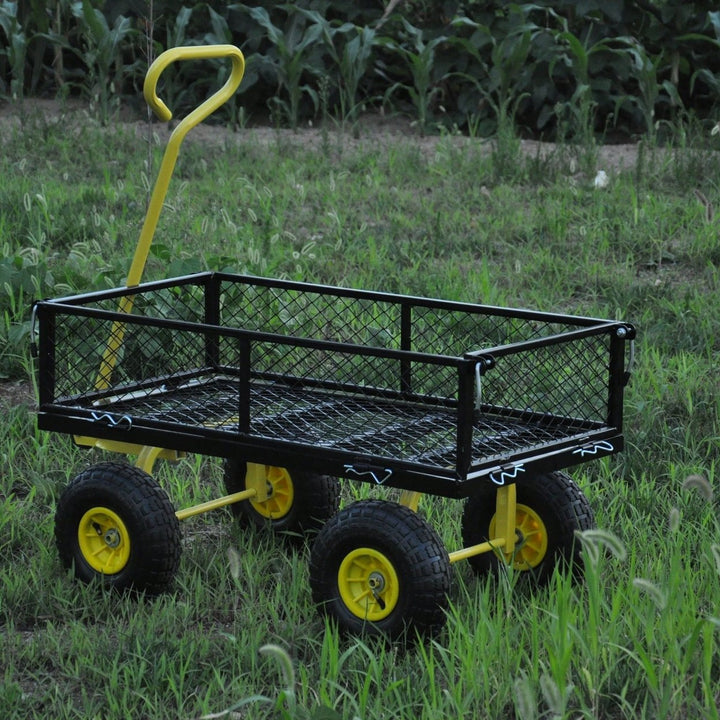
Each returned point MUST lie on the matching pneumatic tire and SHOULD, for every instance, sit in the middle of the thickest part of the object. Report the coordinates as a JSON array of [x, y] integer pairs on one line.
[[114, 524], [378, 568], [551, 508]]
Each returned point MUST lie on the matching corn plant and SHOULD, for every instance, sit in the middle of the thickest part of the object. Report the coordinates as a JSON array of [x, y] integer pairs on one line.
[[294, 55], [705, 74], [418, 56], [577, 55], [350, 57], [504, 85], [353, 64], [645, 70], [16, 49], [102, 54]]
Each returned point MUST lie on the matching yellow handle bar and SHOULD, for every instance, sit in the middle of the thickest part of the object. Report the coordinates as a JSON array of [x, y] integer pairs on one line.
[[184, 126], [200, 52], [167, 166]]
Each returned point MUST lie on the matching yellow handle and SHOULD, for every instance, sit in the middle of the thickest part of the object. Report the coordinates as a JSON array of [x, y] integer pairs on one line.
[[166, 169], [199, 52], [184, 126]]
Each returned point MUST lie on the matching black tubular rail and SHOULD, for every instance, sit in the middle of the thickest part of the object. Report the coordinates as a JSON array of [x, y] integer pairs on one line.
[[426, 395]]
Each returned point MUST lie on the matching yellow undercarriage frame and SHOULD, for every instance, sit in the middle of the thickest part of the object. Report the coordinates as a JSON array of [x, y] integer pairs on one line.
[[504, 526], [510, 517]]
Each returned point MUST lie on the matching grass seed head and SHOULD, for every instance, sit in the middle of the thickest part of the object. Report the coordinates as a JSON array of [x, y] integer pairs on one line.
[[699, 483]]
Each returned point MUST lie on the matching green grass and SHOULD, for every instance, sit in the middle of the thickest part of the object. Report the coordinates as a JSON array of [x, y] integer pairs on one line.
[[637, 638]]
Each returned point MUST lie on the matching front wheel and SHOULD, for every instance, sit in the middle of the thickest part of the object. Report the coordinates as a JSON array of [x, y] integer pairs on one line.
[[550, 510], [115, 524], [378, 567]]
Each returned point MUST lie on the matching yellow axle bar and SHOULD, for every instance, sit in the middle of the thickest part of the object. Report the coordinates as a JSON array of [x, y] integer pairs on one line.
[[257, 489], [469, 552], [215, 504]]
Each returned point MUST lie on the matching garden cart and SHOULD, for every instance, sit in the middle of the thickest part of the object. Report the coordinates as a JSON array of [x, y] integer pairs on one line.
[[296, 385]]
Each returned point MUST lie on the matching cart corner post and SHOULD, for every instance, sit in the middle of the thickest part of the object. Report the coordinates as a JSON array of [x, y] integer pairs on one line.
[[45, 353], [470, 373], [256, 489], [619, 374]]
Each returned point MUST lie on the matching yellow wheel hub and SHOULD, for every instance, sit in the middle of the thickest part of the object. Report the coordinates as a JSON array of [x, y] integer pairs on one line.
[[104, 540], [368, 584], [281, 494], [532, 538]]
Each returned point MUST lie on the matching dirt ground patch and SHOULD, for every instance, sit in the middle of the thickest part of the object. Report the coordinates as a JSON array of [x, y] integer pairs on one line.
[[371, 130], [16, 394]]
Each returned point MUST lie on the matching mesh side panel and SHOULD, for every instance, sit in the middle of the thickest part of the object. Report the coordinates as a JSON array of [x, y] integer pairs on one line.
[[454, 332], [566, 379], [95, 354], [308, 314], [375, 322], [179, 302], [363, 373]]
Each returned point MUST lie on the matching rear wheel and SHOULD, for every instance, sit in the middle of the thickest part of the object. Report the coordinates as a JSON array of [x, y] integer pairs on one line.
[[550, 509], [115, 524], [378, 567], [298, 501]]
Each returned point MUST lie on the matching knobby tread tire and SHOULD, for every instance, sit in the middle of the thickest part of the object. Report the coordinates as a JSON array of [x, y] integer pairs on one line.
[[561, 505], [316, 499], [415, 551], [147, 513]]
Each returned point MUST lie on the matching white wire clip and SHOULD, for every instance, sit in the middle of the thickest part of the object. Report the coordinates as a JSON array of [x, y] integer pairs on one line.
[[124, 422], [378, 480], [504, 475]]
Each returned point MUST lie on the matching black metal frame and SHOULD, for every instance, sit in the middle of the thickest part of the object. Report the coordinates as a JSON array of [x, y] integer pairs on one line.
[[491, 440]]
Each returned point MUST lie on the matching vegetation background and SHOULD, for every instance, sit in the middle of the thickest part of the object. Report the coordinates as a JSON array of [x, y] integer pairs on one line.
[[454, 205], [559, 68]]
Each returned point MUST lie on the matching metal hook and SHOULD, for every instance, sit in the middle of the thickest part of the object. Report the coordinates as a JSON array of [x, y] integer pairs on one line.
[[378, 480]]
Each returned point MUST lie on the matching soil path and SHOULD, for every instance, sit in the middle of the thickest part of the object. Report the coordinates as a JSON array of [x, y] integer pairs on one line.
[[372, 129]]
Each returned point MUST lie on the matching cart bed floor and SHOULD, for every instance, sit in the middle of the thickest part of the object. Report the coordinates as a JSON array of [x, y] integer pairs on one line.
[[406, 430]]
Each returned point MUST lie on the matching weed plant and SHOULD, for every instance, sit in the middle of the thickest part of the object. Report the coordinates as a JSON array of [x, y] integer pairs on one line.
[[637, 637]]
